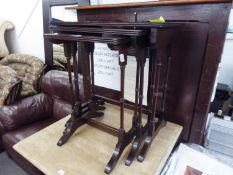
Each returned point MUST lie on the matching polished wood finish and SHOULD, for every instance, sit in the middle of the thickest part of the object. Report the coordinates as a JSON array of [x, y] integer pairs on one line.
[[146, 4], [76, 30], [193, 66], [79, 38], [157, 37], [194, 60]]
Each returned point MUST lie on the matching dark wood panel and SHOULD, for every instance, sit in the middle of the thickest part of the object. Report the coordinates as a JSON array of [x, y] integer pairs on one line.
[[192, 79], [187, 98], [186, 67], [217, 32]]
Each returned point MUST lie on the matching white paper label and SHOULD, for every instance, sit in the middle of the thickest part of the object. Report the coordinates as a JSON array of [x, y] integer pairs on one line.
[[106, 65], [61, 172]]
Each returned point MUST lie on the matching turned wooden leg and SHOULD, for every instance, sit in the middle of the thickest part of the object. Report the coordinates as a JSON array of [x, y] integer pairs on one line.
[[165, 83], [87, 49], [123, 142], [141, 59], [150, 88], [124, 138], [75, 121], [151, 121], [98, 104], [71, 127], [153, 126], [135, 116], [153, 130]]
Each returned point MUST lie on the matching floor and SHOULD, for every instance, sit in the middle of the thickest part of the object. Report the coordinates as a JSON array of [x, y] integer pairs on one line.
[[8, 167], [74, 157]]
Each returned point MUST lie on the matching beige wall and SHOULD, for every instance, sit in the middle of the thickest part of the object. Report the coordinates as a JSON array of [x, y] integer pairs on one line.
[[226, 66]]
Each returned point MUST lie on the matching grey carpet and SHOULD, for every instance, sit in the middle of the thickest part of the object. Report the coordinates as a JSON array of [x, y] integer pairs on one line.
[[8, 167]]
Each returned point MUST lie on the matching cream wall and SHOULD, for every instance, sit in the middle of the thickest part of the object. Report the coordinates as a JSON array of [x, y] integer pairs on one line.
[[226, 66], [27, 36]]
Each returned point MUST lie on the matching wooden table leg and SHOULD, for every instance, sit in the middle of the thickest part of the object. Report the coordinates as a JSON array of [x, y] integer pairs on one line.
[[124, 139], [137, 119], [75, 121], [165, 83], [87, 50], [99, 103], [153, 127]]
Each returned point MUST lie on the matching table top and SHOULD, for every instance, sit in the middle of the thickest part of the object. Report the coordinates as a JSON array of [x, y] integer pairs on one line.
[[94, 30], [145, 4], [89, 149], [119, 24], [87, 38]]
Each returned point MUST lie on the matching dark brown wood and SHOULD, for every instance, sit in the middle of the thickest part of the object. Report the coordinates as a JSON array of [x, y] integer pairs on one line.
[[88, 48], [194, 61], [145, 4], [75, 120], [193, 73], [14, 93], [137, 119], [100, 31], [81, 38], [106, 128], [158, 37]]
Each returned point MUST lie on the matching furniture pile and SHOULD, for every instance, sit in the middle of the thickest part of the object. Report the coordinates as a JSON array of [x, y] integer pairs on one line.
[[153, 40]]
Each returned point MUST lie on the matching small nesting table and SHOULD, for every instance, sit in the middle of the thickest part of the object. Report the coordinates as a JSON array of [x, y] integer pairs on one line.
[[151, 40]]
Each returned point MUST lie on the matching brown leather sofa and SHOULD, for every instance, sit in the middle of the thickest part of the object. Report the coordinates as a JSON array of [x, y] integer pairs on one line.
[[29, 115]]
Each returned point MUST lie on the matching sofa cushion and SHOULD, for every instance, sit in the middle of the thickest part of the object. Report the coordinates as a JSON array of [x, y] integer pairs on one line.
[[56, 84], [28, 68], [61, 109], [13, 137]]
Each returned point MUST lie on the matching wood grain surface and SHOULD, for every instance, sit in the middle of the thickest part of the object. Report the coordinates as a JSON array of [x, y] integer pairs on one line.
[[153, 3]]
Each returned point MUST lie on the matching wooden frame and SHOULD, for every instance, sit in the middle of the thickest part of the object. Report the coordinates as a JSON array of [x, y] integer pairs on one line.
[[145, 4]]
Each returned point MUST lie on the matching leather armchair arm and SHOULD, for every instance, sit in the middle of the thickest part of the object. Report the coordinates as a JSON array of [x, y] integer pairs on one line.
[[25, 111]]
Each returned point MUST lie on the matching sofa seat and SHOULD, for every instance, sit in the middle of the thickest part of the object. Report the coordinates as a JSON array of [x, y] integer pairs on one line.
[[13, 137]]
